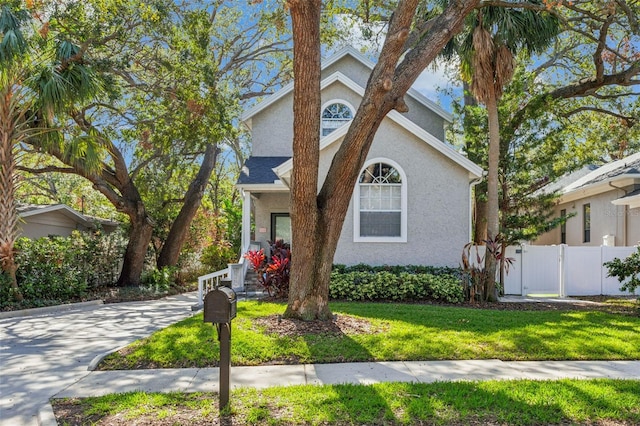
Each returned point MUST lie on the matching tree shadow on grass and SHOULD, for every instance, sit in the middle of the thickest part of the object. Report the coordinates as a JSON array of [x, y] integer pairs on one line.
[[522, 335]]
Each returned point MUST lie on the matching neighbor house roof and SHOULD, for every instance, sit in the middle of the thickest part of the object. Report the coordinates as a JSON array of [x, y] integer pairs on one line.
[[592, 180], [30, 210], [616, 170], [285, 90], [632, 200]]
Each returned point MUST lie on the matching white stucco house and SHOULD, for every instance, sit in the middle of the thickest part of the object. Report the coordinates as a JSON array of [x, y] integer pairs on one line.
[[412, 204], [605, 203]]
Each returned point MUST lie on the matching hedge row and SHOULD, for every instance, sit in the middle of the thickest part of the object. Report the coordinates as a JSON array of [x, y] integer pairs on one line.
[[398, 283], [60, 269]]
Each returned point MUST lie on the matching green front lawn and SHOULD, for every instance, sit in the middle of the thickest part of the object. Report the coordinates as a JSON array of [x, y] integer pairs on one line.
[[522, 402], [398, 332]]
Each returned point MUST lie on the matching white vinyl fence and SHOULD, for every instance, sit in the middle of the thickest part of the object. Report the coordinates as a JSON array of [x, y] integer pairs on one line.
[[563, 270]]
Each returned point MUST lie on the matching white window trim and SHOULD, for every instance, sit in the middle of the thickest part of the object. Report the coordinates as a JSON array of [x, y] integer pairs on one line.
[[336, 101], [403, 216]]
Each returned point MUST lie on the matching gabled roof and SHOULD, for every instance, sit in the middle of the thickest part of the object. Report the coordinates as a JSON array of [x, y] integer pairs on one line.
[[30, 210], [347, 51], [568, 179], [592, 180], [447, 150], [628, 167]]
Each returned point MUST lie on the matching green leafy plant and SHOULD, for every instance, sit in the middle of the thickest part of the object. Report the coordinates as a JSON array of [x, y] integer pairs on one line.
[[60, 269], [626, 270], [395, 283], [217, 255], [159, 280]]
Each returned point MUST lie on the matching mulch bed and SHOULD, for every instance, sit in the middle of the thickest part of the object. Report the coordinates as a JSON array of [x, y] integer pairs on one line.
[[341, 324]]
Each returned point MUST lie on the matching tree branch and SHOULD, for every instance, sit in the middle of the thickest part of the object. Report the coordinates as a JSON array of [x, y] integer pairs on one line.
[[628, 119]]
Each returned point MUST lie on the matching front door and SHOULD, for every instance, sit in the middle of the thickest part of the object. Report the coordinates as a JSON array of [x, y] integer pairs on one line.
[[281, 227]]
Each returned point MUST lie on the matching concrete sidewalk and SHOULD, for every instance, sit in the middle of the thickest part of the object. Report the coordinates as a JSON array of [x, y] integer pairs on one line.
[[99, 383]]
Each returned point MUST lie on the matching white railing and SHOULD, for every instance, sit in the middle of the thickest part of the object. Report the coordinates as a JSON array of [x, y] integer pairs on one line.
[[235, 273], [210, 281]]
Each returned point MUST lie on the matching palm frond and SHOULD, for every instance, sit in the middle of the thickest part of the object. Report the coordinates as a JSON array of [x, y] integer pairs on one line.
[[504, 68], [483, 71]]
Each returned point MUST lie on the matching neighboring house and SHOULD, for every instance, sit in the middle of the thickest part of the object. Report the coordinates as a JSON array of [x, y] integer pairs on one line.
[[57, 219], [606, 204], [412, 204]]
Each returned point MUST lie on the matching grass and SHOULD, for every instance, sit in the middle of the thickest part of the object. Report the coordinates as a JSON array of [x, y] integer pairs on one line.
[[403, 332], [522, 402]]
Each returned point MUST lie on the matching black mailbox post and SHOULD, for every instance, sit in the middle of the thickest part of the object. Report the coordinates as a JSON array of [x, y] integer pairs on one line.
[[220, 309]]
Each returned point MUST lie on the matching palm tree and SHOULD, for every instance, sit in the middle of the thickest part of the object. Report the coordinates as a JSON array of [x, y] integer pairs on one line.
[[39, 77], [494, 38]]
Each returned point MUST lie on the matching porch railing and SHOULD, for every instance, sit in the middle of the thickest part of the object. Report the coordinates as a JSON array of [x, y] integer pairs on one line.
[[235, 272]]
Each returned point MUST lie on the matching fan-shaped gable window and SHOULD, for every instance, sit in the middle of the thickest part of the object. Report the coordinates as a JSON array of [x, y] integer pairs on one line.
[[335, 115], [380, 212]]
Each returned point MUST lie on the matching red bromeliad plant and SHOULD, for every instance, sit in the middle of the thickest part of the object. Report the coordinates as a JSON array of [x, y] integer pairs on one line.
[[274, 273]]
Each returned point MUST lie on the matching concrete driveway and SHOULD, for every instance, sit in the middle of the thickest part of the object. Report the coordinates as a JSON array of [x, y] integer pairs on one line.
[[42, 354]]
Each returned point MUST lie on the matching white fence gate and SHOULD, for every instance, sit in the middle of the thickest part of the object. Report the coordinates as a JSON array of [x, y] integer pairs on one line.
[[563, 270]]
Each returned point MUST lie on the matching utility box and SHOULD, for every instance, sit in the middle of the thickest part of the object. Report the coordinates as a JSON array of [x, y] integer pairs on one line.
[[609, 240], [220, 305]]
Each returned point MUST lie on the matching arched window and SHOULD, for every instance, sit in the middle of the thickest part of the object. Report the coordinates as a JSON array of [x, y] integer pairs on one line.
[[380, 212], [335, 115]]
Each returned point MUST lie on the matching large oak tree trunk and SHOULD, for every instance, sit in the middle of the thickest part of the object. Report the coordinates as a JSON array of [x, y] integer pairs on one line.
[[317, 218], [180, 228], [139, 238], [307, 297]]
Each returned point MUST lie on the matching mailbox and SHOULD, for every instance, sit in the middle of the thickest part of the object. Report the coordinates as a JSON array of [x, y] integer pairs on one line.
[[220, 305]]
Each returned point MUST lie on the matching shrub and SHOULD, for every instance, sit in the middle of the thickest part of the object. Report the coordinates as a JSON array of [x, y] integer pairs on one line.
[[59, 269], [216, 256], [273, 273], [363, 282], [627, 269], [159, 280], [51, 268], [477, 283]]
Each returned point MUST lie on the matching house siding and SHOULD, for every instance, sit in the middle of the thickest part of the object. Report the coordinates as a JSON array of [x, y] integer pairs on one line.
[[51, 223], [425, 118], [438, 207], [272, 130], [264, 206], [633, 226], [606, 219], [350, 67]]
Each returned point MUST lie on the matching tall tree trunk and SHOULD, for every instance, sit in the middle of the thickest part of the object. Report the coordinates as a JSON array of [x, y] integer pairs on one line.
[[480, 213], [8, 212], [307, 297], [317, 218], [180, 228], [141, 229], [493, 225]]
